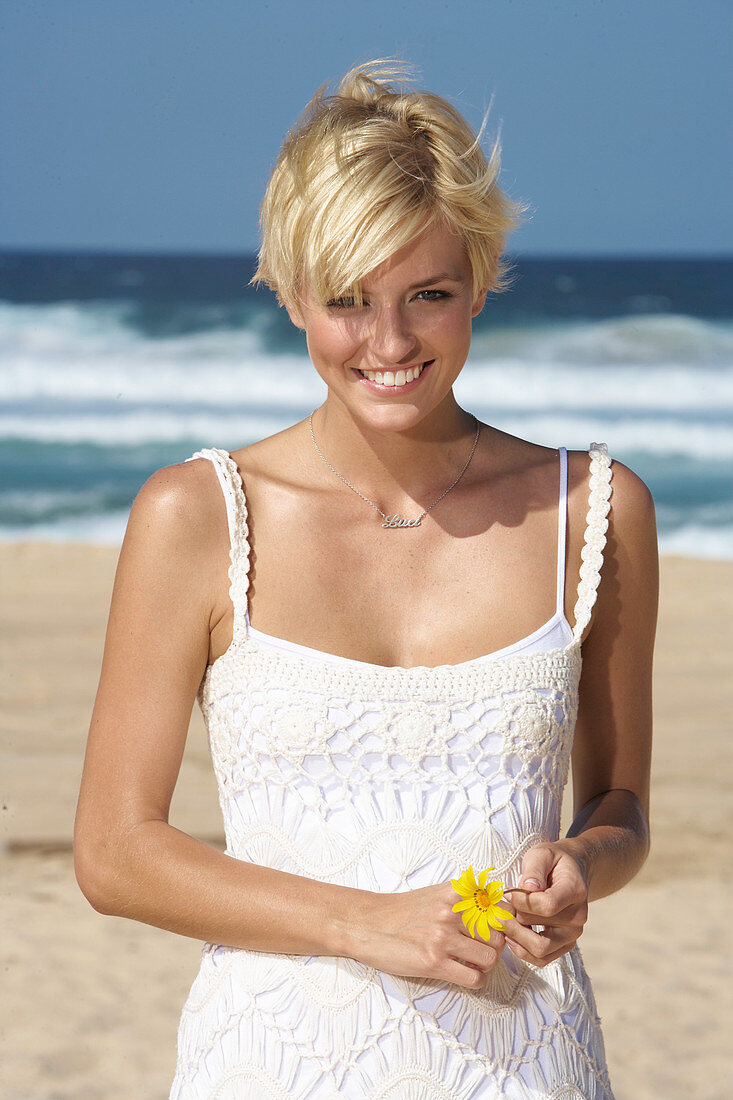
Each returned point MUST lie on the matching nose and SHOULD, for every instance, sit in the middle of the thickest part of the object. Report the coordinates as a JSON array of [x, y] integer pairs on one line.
[[391, 339]]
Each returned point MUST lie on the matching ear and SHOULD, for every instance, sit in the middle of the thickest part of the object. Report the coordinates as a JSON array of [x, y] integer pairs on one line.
[[478, 302]]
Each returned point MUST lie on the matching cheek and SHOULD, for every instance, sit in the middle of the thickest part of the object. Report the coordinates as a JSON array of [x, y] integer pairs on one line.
[[327, 344], [451, 333]]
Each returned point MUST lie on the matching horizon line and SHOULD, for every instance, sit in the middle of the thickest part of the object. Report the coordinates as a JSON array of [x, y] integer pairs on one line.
[[239, 254]]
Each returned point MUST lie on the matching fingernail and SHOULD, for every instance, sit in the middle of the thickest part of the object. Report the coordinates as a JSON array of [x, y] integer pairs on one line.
[[531, 882]]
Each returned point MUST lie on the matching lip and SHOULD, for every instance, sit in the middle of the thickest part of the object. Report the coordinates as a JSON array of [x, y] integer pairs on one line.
[[377, 387]]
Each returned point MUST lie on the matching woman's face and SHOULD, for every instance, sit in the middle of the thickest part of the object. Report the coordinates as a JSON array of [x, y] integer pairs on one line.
[[412, 332]]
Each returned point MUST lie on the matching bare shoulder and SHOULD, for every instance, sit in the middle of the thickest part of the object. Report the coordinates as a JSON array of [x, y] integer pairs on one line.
[[178, 504], [632, 505], [631, 513], [178, 528], [169, 571], [632, 554], [630, 568]]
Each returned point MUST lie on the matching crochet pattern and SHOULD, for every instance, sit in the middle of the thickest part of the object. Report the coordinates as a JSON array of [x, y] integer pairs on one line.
[[389, 779]]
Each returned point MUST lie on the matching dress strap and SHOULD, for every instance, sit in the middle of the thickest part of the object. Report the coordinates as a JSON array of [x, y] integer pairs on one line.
[[599, 503], [230, 481], [562, 527]]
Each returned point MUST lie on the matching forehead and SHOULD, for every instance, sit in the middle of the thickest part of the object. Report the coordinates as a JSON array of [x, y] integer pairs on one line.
[[436, 252]]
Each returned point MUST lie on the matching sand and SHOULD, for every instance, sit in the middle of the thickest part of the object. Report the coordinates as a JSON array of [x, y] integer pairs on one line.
[[90, 1004]]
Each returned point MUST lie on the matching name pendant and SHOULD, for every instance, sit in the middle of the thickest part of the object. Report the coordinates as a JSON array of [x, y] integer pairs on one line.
[[398, 521]]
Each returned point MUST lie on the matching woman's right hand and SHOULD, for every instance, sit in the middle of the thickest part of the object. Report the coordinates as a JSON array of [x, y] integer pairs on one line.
[[416, 934]]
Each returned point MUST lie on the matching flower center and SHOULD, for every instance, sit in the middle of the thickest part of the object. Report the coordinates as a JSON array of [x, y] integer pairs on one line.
[[482, 899]]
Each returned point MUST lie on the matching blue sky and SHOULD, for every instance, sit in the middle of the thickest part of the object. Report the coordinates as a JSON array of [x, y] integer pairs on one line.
[[152, 124]]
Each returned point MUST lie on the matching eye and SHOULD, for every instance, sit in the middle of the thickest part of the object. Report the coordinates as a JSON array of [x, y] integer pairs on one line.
[[342, 303], [432, 295]]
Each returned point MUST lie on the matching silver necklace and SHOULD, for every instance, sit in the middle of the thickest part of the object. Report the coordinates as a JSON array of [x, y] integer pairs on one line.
[[396, 520]]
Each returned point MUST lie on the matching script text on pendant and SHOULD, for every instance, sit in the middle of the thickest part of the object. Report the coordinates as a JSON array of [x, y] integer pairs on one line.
[[398, 521]]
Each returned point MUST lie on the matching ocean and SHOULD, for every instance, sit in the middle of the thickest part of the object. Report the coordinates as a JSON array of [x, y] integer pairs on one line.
[[114, 365]]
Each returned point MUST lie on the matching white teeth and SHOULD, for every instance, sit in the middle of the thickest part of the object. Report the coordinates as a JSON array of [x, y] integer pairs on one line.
[[392, 378]]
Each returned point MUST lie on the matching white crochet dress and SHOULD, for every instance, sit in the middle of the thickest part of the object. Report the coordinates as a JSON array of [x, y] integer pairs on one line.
[[391, 779]]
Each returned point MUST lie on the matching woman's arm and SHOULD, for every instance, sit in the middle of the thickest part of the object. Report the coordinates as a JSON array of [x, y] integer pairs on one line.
[[608, 840], [129, 861]]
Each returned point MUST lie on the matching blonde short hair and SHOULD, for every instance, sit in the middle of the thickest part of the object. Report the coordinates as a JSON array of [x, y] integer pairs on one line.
[[367, 169]]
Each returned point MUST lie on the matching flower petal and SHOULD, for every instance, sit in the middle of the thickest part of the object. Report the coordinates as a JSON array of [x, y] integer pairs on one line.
[[467, 903], [461, 887], [495, 890], [471, 919], [482, 924], [496, 916]]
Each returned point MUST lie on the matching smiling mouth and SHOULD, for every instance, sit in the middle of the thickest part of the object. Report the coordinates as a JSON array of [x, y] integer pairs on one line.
[[395, 379]]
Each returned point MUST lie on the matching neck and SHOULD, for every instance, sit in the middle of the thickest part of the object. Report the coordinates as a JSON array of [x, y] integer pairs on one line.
[[394, 467]]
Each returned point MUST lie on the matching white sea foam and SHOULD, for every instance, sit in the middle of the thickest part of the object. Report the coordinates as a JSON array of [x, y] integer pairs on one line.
[[677, 437], [68, 327], [84, 353], [100, 529], [693, 540], [146, 376], [673, 437], [657, 388], [512, 383], [135, 427], [647, 339]]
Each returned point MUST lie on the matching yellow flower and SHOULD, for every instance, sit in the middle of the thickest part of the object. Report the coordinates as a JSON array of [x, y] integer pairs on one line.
[[479, 907]]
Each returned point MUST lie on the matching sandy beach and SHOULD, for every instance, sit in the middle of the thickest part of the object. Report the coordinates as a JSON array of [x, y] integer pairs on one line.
[[90, 1004]]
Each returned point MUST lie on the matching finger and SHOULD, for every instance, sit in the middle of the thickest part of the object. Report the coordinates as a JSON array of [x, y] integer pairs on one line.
[[461, 973], [477, 953], [538, 940], [553, 906], [564, 892], [536, 867], [495, 939], [572, 924], [572, 915], [538, 947], [553, 956]]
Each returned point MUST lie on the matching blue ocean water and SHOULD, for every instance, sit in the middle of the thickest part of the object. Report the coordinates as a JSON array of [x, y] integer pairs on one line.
[[114, 365]]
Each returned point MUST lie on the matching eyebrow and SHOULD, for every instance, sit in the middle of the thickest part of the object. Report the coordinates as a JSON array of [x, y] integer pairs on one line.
[[443, 277]]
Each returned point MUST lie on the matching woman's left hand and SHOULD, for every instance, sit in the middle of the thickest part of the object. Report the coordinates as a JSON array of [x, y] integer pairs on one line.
[[558, 902]]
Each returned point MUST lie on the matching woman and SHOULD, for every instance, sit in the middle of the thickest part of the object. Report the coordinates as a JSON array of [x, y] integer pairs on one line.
[[355, 601]]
